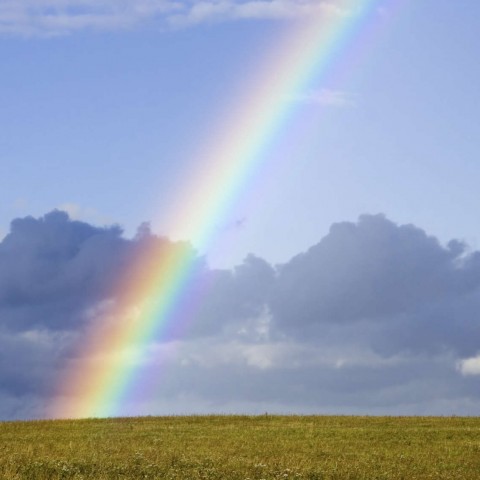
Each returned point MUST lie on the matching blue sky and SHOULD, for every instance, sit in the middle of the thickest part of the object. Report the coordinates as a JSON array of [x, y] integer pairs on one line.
[[106, 121], [102, 108]]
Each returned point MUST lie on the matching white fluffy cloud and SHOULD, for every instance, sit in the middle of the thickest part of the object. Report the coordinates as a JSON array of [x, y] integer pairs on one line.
[[62, 17], [470, 366]]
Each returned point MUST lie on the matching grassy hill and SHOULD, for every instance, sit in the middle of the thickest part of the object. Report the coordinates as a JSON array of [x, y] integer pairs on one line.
[[241, 447]]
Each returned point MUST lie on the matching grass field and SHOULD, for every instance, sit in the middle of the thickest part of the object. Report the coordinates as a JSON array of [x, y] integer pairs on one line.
[[238, 447]]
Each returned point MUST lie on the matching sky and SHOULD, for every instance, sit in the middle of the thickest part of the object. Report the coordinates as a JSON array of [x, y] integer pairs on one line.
[[345, 275]]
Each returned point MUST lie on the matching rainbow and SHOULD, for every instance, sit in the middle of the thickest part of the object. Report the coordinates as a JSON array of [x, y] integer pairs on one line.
[[151, 303]]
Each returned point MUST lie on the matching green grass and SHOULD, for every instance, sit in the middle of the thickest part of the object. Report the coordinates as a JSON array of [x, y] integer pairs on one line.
[[240, 447]]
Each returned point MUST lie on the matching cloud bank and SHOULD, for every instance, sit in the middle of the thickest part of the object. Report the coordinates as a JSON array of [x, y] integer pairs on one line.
[[374, 318], [62, 17]]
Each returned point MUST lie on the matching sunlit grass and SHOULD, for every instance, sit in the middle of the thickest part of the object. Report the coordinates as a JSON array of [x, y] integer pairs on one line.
[[241, 447]]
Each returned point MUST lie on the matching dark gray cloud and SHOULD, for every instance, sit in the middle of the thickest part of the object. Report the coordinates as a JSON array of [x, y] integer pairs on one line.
[[375, 318], [415, 385], [54, 272], [232, 297], [395, 283], [52, 268]]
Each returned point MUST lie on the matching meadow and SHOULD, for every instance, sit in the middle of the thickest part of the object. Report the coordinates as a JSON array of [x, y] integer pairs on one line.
[[242, 447]]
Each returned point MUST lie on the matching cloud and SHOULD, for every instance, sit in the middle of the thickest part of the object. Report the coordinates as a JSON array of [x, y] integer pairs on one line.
[[396, 284], [52, 266], [62, 17], [289, 378], [215, 11], [57, 276], [85, 214], [374, 318], [470, 366]]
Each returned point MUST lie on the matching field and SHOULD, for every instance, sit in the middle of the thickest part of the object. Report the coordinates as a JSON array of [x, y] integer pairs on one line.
[[241, 447]]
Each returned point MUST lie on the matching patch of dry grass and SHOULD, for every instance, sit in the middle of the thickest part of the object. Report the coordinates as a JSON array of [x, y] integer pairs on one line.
[[241, 447]]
